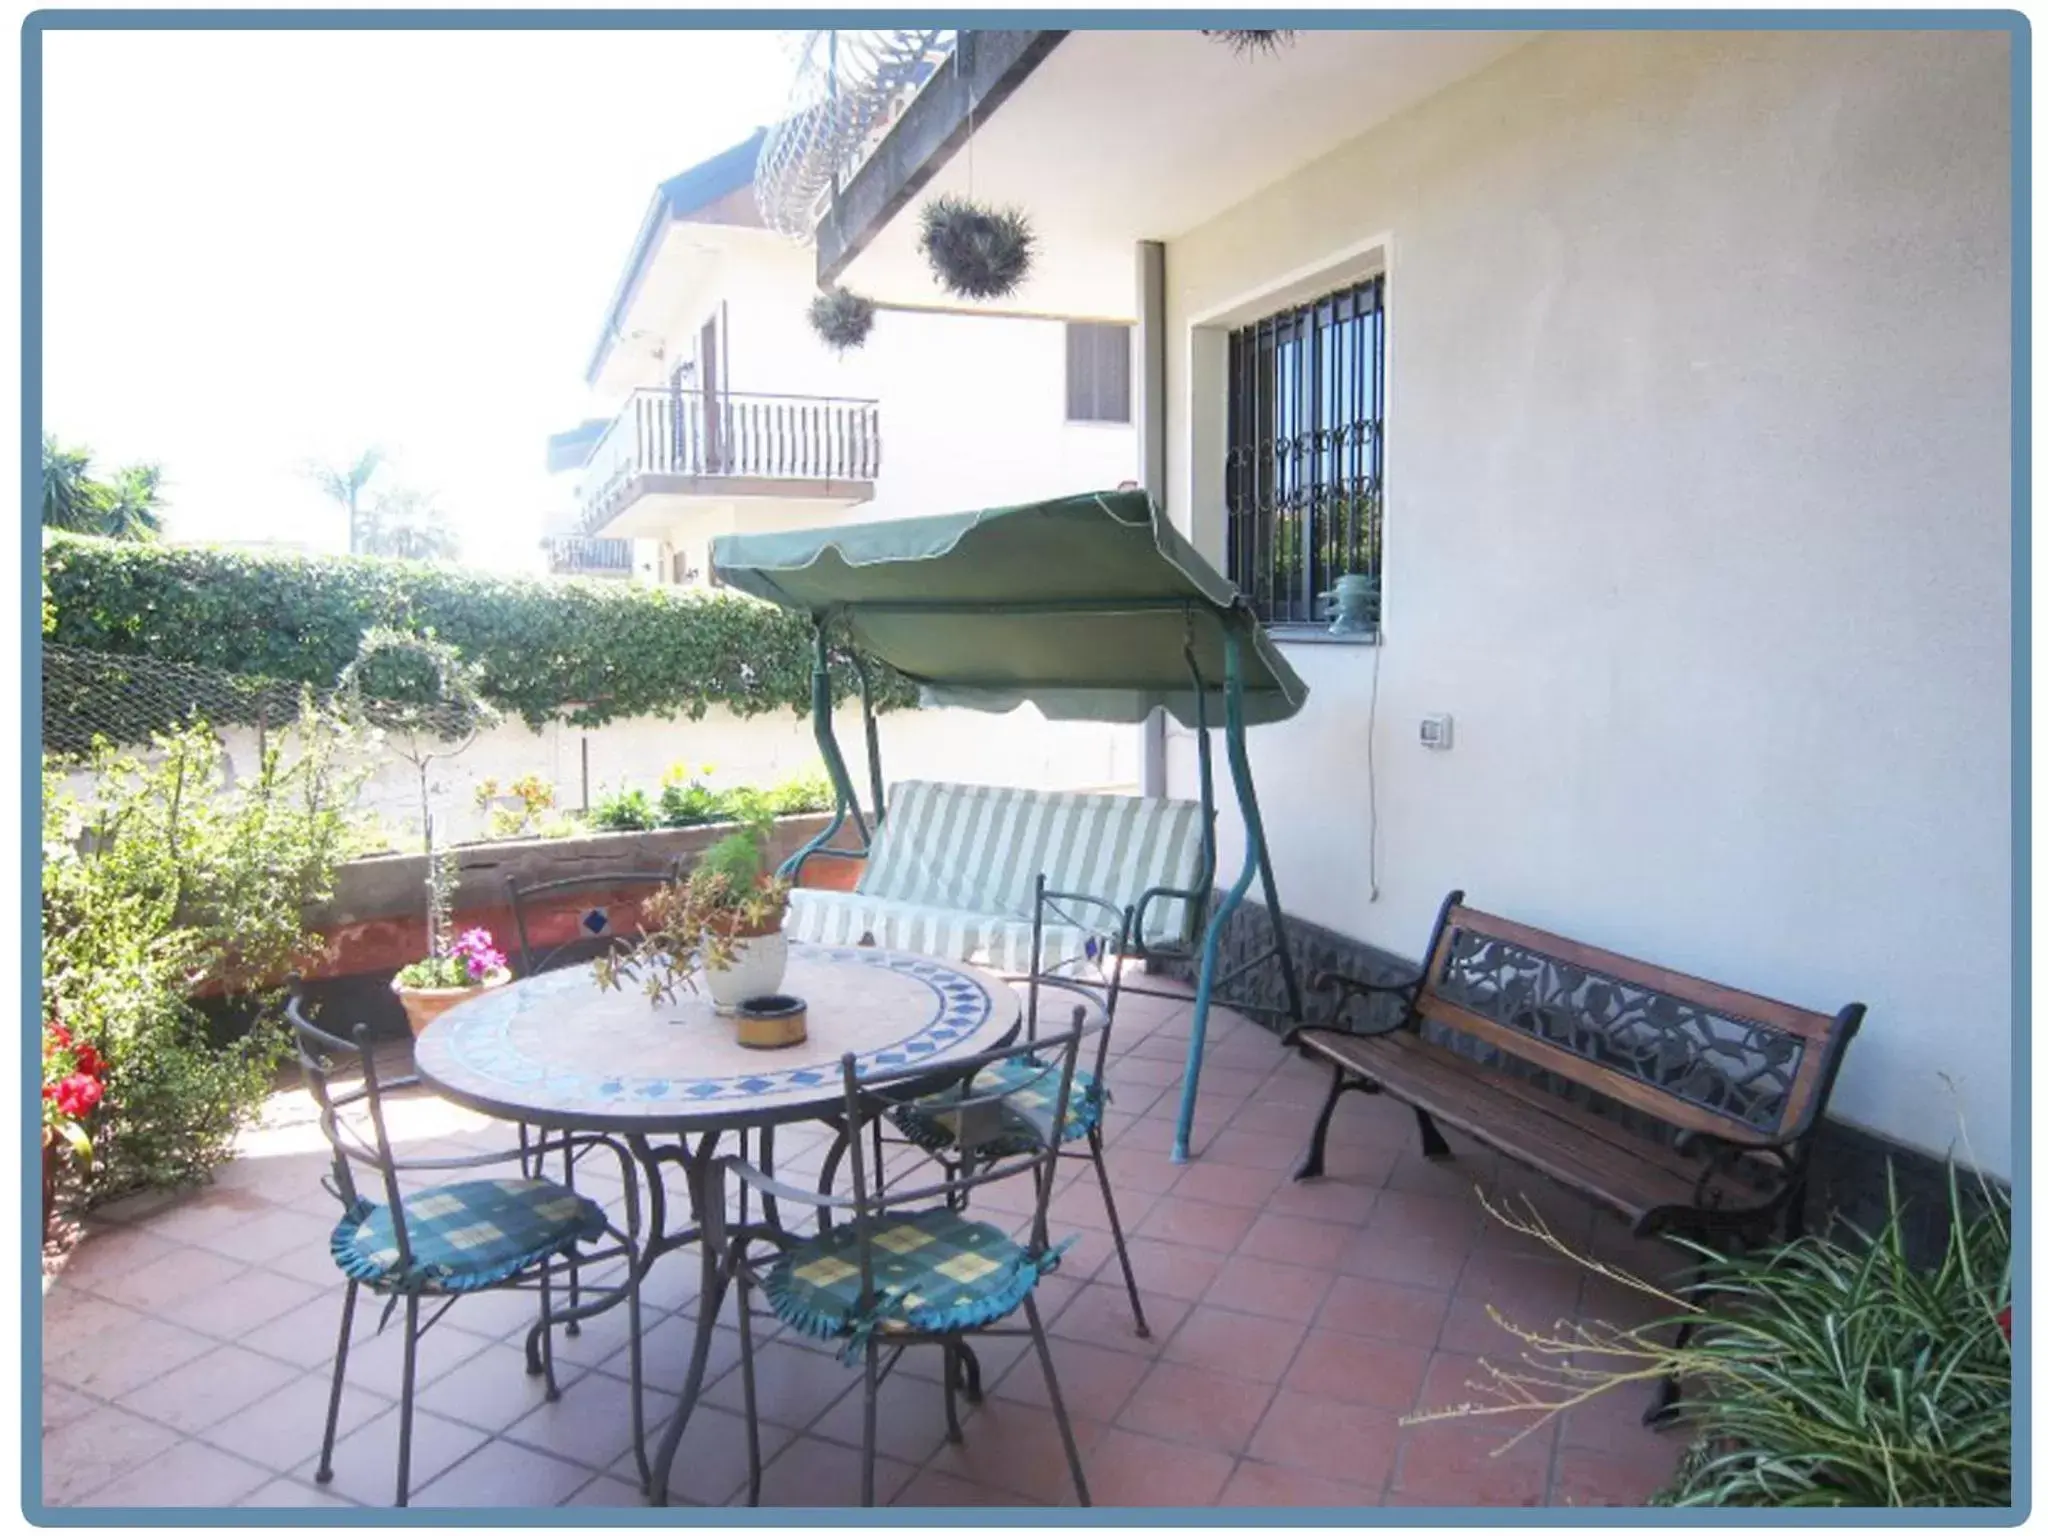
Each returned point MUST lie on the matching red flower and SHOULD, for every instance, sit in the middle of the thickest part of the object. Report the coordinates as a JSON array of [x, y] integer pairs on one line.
[[58, 1033], [2005, 1324], [90, 1061], [78, 1094]]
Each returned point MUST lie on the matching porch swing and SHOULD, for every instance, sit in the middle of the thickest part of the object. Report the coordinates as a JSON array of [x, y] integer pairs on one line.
[[1092, 608]]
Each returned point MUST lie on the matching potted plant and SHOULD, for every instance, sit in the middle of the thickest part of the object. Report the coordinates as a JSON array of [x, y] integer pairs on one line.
[[74, 1082], [723, 919], [456, 967]]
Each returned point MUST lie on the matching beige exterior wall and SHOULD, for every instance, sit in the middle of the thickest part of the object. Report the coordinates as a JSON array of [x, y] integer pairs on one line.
[[1698, 525]]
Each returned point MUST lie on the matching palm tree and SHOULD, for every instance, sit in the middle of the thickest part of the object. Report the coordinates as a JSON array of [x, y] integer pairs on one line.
[[345, 483], [130, 508], [407, 525], [136, 507]]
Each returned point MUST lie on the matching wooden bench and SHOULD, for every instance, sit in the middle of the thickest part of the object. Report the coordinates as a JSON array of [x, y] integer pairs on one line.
[[954, 873], [1726, 1087]]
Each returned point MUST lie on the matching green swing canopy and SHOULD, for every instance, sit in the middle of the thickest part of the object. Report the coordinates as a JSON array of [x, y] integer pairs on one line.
[[1089, 607]]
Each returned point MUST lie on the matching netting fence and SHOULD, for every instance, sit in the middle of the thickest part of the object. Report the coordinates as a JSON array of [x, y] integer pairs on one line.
[[91, 696]]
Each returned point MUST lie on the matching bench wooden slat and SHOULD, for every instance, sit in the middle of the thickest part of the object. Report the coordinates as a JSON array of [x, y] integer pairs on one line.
[[1561, 1140]]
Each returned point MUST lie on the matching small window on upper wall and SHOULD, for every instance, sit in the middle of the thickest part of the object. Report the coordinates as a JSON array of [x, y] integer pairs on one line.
[[1098, 371]]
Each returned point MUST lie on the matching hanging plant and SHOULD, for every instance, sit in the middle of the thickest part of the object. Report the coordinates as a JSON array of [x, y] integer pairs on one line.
[[841, 319], [976, 252], [1269, 40]]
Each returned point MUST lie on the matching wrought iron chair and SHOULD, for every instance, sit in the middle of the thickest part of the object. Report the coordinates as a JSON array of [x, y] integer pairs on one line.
[[1096, 975], [441, 1243], [596, 930], [887, 1270]]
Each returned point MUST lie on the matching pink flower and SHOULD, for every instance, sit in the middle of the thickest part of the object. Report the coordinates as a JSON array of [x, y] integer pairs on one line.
[[478, 953], [78, 1095]]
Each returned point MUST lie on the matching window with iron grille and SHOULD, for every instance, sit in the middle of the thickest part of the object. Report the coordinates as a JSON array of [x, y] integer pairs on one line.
[[1098, 371], [1302, 468]]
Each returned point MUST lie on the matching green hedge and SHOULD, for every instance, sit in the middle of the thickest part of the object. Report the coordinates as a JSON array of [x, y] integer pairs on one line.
[[584, 651]]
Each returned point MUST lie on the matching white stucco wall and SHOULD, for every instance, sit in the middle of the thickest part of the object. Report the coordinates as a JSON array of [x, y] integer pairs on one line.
[[1698, 525]]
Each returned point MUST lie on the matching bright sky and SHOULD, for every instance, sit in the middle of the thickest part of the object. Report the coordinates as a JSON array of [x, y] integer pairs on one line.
[[265, 247]]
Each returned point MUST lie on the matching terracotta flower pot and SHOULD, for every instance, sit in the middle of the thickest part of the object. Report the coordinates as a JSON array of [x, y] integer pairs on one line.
[[423, 1005]]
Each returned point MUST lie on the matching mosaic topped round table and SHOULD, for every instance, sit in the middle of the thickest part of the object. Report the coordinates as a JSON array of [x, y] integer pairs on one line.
[[557, 1051]]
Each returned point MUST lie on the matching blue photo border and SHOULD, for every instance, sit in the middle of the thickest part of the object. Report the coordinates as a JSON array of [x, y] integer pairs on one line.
[[37, 25]]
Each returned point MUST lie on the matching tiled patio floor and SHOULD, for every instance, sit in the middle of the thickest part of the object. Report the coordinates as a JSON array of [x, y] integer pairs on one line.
[[187, 1342]]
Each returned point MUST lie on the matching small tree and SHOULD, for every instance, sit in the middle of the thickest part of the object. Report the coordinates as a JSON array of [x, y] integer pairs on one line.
[[345, 484], [128, 507]]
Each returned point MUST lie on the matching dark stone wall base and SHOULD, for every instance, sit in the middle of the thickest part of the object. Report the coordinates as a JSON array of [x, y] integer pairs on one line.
[[1849, 1173]]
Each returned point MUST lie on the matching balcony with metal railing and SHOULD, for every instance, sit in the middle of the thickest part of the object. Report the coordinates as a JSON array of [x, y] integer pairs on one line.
[[669, 448], [573, 555]]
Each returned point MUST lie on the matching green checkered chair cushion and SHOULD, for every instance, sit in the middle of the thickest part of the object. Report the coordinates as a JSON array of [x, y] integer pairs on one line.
[[935, 1272], [1028, 1093], [465, 1236]]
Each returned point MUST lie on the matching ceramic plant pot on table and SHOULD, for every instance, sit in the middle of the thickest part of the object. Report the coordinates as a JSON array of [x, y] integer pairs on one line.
[[423, 1005], [755, 970]]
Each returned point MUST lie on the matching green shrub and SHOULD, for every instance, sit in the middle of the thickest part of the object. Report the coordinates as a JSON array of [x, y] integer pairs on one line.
[[1831, 1371], [583, 651], [163, 886], [624, 810]]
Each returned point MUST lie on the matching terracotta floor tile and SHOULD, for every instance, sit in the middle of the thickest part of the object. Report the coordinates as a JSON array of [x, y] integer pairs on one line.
[[1221, 1184], [1101, 1314], [606, 1493], [207, 1389], [1452, 1220], [502, 1475], [1259, 1485], [189, 1475], [204, 1215], [1454, 1377], [1290, 1292], [1381, 1309], [284, 1493], [376, 1360], [1297, 1240], [109, 1249], [164, 1282], [1236, 1344], [1351, 1442], [791, 1386], [1441, 1464], [1532, 1292], [1196, 1407], [246, 1301], [1129, 1470], [821, 1473], [266, 1233], [1017, 1448], [366, 1462], [711, 1463], [942, 1490], [280, 1431], [1373, 1255], [1081, 1205], [60, 1405], [910, 1418], [94, 1448], [1348, 1368], [592, 1425], [1197, 1224], [1470, 1328], [131, 1353], [1249, 1149], [1095, 1381], [1587, 1476], [1170, 1269]]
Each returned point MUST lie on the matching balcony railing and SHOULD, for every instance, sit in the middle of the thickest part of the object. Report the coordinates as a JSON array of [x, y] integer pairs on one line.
[[574, 555], [675, 436]]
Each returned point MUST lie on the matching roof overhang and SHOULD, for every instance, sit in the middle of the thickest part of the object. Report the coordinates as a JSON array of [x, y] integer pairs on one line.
[[1108, 138]]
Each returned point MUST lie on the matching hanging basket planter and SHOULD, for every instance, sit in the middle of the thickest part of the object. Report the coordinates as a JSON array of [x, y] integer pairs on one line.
[[1267, 40], [976, 252], [841, 319]]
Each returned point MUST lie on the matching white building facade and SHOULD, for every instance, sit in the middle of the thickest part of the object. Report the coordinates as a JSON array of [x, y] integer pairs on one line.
[[1662, 384], [724, 412]]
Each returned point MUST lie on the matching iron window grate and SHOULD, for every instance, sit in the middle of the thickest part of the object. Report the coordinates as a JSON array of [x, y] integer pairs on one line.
[[1303, 464]]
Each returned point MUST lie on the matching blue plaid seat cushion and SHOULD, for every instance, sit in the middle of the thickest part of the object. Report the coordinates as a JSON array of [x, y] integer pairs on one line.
[[465, 1236], [1029, 1094], [934, 1272]]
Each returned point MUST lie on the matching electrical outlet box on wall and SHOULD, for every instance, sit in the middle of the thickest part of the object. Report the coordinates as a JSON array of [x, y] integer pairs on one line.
[[1435, 732]]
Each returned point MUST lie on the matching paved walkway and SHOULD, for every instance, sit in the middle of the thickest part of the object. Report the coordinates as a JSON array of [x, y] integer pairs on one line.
[[187, 1341]]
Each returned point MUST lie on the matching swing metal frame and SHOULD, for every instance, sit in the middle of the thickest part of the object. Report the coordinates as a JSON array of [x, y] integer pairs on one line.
[[1212, 601]]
